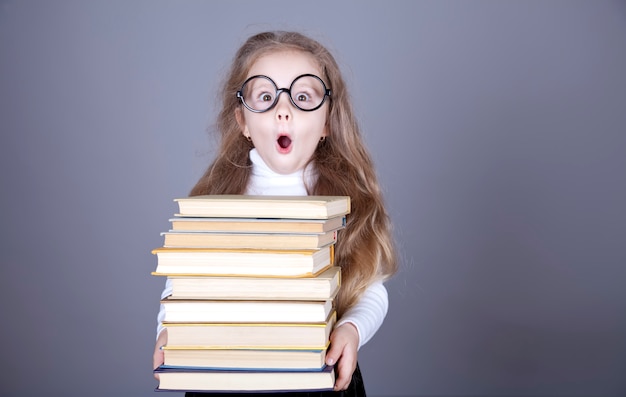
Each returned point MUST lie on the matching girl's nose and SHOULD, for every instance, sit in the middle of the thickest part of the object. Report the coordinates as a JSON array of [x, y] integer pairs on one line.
[[283, 107]]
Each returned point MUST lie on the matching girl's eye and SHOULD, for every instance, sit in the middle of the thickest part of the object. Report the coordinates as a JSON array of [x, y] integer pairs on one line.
[[266, 97], [303, 97]]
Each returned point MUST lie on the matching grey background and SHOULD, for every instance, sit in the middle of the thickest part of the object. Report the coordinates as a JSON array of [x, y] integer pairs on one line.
[[498, 131]]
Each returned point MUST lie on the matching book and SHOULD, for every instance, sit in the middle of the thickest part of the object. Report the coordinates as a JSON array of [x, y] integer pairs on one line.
[[242, 262], [245, 359], [320, 287], [245, 206], [245, 311], [292, 336], [197, 379], [257, 225], [248, 240]]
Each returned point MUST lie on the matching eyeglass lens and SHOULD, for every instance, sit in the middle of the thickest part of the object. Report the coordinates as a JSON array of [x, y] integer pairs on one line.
[[306, 92]]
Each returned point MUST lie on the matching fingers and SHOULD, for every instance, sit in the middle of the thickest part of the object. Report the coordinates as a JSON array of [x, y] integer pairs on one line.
[[157, 357], [343, 354], [333, 353], [344, 371], [343, 339]]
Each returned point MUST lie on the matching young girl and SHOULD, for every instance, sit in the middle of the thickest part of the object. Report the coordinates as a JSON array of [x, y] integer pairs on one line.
[[287, 128]]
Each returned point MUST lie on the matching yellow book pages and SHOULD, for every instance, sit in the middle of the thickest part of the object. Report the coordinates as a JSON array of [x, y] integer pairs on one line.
[[321, 286], [182, 379], [250, 359], [278, 336], [234, 250], [247, 206], [265, 241], [257, 225], [190, 274], [245, 347]]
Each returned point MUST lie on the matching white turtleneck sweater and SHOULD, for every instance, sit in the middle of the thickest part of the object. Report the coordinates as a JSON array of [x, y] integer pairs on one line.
[[368, 313]]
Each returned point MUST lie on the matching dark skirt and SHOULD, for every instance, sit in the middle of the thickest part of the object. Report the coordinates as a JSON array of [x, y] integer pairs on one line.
[[356, 389]]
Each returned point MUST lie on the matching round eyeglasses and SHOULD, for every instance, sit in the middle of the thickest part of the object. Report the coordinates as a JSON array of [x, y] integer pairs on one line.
[[259, 93]]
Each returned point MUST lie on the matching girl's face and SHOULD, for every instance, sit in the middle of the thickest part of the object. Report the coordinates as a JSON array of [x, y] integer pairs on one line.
[[284, 136]]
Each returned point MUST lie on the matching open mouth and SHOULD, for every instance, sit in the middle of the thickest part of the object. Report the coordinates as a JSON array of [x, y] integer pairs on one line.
[[284, 141]]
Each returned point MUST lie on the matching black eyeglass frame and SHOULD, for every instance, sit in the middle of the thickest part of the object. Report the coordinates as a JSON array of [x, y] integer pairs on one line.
[[327, 93]]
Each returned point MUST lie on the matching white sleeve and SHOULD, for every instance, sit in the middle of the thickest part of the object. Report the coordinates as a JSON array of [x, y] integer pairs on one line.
[[167, 291], [368, 313]]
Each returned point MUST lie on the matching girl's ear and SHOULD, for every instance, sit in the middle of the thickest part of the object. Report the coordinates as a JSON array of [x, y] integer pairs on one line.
[[242, 123]]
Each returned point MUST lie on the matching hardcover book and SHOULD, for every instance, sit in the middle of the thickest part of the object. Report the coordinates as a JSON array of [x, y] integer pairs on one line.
[[242, 262], [196, 379], [245, 359], [324, 286], [248, 240], [245, 206], [221, 311], [257, 225], [277, 336]]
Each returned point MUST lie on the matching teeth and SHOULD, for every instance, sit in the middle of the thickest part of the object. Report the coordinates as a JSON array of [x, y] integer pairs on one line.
[[284, 141]]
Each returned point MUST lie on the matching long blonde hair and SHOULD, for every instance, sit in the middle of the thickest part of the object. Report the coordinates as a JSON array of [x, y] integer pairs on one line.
[[365, 249]]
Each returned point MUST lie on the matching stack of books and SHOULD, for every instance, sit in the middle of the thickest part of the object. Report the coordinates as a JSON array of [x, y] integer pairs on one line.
[[253, 288]]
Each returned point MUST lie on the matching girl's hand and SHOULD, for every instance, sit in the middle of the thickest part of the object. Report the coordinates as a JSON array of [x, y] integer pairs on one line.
[[344, 343], [157, 357]]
